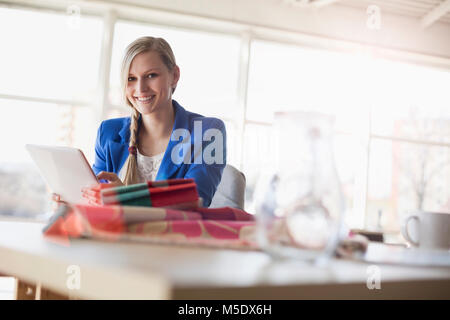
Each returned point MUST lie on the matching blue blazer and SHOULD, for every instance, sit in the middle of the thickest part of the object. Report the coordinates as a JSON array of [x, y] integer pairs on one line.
[[113, 136]]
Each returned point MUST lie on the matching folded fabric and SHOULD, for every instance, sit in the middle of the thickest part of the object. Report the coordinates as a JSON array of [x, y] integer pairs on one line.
[[173, 192], [220, 226]]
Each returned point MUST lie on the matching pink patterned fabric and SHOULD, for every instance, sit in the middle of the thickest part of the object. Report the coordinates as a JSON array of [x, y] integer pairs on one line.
[[202, 226]]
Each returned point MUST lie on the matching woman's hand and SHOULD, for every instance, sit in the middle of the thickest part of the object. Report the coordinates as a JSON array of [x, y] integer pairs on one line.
[[111, 177], [92, 193]]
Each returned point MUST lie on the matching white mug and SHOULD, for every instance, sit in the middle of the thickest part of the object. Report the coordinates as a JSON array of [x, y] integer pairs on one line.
[[433, 230]]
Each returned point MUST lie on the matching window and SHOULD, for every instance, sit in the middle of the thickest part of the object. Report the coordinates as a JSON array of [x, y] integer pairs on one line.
[[44, 57], [409, 167], [47, 86], [23, 191], [286, 77], [405, 177], [411, 102], [397, 114]]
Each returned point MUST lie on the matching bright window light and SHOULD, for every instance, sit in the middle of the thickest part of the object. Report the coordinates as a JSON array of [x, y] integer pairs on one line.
[[43, 56], [286, 77]]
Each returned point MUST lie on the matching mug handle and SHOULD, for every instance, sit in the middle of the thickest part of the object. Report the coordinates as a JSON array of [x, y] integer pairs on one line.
[[405, 231]]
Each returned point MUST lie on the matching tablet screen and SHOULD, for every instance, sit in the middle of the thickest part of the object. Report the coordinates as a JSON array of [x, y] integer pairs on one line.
[[65, 169]]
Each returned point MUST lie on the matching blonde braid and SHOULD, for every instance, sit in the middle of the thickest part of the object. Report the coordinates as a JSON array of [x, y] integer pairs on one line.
[[131, 164]]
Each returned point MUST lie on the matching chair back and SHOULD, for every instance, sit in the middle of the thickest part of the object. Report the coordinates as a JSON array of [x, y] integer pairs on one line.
[[231, 189]]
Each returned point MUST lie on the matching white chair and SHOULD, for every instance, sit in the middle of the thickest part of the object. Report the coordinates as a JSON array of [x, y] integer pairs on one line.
[[231, 189]]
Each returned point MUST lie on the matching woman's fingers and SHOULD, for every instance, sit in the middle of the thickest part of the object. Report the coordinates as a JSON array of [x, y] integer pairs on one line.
[[92, 193], [91, 199], [89, 192], [110, 176]]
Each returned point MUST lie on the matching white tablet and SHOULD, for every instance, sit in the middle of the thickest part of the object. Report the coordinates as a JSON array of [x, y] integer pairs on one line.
[[66, 170]]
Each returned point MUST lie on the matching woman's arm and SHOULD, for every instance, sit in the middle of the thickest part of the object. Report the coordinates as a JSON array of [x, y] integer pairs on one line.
[[208, 176], [207, 181]]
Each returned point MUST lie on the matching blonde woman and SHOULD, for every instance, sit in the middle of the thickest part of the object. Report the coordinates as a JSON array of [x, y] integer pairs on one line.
[[161, 140]]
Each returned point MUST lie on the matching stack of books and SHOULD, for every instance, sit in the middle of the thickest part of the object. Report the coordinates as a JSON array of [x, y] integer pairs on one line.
[[174, 193]]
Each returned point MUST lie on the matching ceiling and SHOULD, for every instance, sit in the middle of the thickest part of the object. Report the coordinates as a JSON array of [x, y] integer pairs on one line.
[[413, 8], [426, 11]]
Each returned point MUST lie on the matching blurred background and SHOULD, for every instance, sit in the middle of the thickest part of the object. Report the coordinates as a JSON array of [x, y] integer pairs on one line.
[[382, 68]]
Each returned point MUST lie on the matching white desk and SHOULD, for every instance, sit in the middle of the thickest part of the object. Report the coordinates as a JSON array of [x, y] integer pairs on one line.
[[112, 270]]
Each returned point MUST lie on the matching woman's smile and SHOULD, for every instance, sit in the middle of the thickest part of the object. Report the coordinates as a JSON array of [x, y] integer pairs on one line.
[[144, 99]]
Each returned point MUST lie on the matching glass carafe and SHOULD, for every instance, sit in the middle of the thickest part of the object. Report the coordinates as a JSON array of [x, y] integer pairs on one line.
[[299, 204]]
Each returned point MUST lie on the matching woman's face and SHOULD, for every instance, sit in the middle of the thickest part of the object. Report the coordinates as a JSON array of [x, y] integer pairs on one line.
[[150, 82]]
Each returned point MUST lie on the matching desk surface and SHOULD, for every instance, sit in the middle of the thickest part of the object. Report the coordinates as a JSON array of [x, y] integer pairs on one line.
[[119, 270]]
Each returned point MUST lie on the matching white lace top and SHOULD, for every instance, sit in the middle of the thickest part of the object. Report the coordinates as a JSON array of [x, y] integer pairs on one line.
[[147, 167]]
